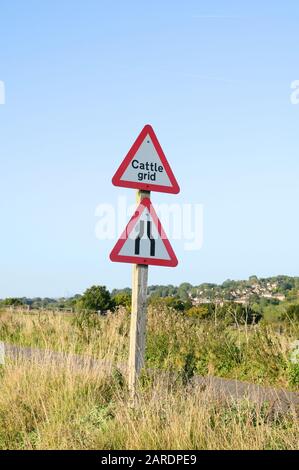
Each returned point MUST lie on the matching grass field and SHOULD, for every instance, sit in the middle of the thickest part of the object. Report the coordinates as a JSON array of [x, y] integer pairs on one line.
[[50, 406]]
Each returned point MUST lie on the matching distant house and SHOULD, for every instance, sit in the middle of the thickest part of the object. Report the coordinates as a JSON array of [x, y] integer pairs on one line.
[[279, 297]]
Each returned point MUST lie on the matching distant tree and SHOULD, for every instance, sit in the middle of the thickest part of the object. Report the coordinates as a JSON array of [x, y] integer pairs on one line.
[[96, 298], [203, 311], [292, 294], [122, 299], [126, 290], [174, 303], [183, 291], [228, 283], [178, 304], [12, 301], [185, 286]]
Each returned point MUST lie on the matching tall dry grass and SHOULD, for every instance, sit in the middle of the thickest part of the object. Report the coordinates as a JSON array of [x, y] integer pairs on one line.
[[174, 342], [104, 338], [56, 407]]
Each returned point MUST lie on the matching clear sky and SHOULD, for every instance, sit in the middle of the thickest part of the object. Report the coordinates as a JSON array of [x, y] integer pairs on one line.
[[83, 77]]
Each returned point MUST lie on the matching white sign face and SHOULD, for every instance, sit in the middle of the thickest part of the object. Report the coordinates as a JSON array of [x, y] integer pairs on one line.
[[146, 167], [144, 240]]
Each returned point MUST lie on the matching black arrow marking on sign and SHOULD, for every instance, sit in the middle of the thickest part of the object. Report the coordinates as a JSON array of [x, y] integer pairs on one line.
[[149, 236], [140, 235], [152, 240]]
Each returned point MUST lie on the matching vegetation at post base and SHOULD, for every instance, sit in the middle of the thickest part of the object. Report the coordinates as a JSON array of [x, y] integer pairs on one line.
[[69, 409]]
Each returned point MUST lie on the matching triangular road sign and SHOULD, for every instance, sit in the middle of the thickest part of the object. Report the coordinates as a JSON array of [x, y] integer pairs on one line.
[[144, 240], [146, 167]]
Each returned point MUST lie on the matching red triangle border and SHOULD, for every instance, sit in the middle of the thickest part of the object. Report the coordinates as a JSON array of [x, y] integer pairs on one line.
[[116, 257], [117, 181]]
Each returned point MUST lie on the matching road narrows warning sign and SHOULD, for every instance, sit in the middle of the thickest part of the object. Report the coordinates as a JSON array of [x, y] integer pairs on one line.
[[144, 240], [146, 167]]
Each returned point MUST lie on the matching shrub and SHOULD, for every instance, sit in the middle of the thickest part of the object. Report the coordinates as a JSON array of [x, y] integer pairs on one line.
[[96, 298], [237, 314], [293, 372], [292, 313], [122, 299], [201, 311]]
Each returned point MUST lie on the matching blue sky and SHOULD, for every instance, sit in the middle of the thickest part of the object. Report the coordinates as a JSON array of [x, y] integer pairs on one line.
[[82, 79]]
